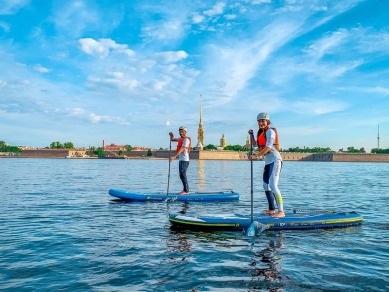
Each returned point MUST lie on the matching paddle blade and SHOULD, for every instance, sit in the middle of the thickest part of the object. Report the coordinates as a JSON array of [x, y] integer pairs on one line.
[[259, 227], [256, 228], [250, 231]]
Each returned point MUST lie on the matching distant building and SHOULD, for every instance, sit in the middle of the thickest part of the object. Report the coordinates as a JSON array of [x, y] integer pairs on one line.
[[137, 148], [200, 131], [114, 147], [247, 145], [223, 142]]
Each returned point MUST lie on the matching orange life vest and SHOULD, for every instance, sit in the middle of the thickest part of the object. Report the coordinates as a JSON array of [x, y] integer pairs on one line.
[[181, 140], [261, 139]]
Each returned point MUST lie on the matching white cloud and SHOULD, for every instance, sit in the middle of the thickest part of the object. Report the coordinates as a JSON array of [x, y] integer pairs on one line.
[[197, 18], [230, 16], [327, 44], [172, 57], [92, 117], [5, 26], [75, 17], [12, 6], [383, 91], [39, 68], [168, 30], [318, 107], [256, 2], [370, 41], [103, 47], [119, 82], [238, 62], [217, 9]]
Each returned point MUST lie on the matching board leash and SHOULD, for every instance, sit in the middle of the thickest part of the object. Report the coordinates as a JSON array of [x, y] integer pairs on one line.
[[314, 211]]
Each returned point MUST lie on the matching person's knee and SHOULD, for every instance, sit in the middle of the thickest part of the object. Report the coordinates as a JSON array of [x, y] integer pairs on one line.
[[266, 186]]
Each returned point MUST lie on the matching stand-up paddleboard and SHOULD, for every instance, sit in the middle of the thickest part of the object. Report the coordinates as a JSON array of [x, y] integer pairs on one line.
[[291, 221], [159, 196]]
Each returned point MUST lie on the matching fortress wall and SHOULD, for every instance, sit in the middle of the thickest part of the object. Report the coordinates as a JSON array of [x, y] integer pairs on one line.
[[210, 155], [194, 154], [220, 155], [293, 156], [360, 157], [321, 157], [45, 153], [134, 153]]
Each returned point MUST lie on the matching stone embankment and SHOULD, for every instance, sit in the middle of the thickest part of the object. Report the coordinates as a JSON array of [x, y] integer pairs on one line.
[[202, 155]]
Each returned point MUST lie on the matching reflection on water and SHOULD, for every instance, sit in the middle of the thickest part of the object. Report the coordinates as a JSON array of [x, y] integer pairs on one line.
[[200, 175], [63, 230], [267, 266]]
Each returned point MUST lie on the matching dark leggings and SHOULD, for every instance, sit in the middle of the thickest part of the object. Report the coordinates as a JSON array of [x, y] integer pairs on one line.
[[183, 167]]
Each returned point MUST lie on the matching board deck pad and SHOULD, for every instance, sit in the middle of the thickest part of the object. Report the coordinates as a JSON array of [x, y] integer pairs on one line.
[[160, 196], [234, 222]]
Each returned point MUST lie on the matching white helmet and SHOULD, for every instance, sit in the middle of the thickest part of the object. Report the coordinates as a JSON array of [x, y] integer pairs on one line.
[[263, 116], [182, 128]]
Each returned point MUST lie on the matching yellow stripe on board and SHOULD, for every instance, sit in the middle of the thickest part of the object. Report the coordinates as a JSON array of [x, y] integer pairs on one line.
[[343, 220], [205, 224]]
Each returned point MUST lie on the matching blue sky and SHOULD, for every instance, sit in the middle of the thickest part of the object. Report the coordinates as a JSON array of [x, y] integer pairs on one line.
[[129, 72]]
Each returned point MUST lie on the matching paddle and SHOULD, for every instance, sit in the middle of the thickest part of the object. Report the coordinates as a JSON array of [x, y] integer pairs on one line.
[[168, 176], [251, 229]]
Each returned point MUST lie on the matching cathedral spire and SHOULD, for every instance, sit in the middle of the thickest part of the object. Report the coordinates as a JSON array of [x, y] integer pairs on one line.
[[200, 131]]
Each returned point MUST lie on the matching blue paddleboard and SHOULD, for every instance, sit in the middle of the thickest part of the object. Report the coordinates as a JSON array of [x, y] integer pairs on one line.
[[159, 196], [236, 222]]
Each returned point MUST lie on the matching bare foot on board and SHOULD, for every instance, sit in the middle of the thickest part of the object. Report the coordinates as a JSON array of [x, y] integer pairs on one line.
[[279, 214], [268, 212]]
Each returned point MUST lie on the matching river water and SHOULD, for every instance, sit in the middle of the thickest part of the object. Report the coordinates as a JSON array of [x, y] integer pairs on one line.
[[61, 231]]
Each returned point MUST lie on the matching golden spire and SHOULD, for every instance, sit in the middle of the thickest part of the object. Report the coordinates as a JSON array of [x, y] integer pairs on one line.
[[200, 131], [223, 142]]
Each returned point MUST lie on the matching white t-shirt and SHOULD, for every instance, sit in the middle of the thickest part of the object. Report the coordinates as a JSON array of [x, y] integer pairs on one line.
[[184, 156]]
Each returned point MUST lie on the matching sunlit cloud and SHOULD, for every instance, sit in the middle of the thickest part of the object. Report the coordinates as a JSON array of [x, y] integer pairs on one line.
[[217, 9], [327, 44], [197, 18], [318, 107], [39, 68], [12, 6], [82, 114], [381, 91], [103, 47], [5, 27], [171, 57]]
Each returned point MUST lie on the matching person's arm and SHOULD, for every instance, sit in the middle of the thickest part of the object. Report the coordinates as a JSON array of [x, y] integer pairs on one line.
[[177, 153], [172, 137]]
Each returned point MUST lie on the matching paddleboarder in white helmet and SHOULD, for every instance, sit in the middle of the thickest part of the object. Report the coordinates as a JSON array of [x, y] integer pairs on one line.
[[183, 149], [268, 147]]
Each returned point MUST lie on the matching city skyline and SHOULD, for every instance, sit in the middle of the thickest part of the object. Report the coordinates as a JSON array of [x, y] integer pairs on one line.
[[129, 72]]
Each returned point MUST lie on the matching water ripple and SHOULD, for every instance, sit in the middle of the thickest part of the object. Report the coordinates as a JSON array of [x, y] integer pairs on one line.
[[62, 231]]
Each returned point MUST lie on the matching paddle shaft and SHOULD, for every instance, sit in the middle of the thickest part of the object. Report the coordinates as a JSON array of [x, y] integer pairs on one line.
[[252, 187], [168, 176]]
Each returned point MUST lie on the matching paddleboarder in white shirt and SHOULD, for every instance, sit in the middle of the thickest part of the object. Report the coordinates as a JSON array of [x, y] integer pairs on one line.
[[268, 147], [183, 149]]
